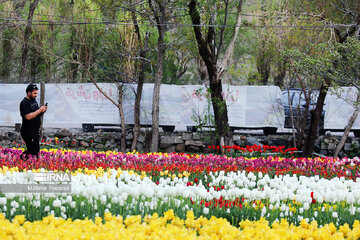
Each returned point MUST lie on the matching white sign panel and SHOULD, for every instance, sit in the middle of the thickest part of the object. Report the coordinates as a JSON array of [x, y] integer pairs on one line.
[[71, 105], [338, 109]]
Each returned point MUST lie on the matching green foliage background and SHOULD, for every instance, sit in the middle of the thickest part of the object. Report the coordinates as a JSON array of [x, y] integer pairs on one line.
[[99, 34]]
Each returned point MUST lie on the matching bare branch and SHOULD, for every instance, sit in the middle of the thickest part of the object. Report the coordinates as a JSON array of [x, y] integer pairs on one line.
[[230, 49], [222, 29]]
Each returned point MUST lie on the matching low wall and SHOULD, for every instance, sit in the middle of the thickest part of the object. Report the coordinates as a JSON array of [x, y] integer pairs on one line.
[[169, 142]]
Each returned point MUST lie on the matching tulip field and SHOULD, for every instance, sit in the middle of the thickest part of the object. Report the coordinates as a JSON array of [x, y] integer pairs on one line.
[[134, 195]]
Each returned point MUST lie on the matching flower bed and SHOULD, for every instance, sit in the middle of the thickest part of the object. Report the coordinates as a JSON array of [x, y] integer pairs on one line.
[[168, 227], [153, 163], [246, 193]]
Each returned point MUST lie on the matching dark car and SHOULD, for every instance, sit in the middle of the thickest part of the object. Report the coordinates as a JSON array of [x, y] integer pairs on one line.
[[298, 103]]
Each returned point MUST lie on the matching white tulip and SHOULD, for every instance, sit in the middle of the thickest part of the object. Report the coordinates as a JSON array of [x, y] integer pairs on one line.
[[29, 196], [3, 201], [10, 195], [350, 198], [306, 206], [206, 211], [56, 203], [103, 199]]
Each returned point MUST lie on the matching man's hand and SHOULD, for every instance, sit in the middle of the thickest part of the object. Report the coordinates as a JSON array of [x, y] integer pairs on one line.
[[43, 109]]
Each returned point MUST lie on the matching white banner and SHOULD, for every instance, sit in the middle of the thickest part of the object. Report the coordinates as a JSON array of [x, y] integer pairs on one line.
[[339, 108], [71, 105]]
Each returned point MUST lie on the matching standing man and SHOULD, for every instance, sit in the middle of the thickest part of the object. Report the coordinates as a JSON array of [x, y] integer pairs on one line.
[[30, 114]]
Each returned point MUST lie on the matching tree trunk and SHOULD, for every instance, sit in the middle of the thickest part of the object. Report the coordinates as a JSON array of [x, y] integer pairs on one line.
[[34, 60], [139, 90], [122, 118], [161, 18], [315, 119], [83, 53], [201, 67], [220, 113], [281, 73], [74, 48], [156, 92], [50, 61], [42, 103], [219, 105], [7, 54], [347, 128], [27, 34], [263, 67], [228, 56]]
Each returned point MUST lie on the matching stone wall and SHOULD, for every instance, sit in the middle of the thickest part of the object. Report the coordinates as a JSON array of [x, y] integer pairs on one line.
[[169, 142]]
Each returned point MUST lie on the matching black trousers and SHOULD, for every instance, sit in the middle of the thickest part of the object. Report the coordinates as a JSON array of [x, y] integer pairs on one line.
[[31, 140]]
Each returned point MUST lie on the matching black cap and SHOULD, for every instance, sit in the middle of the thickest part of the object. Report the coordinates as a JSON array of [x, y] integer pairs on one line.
[[31, 87]]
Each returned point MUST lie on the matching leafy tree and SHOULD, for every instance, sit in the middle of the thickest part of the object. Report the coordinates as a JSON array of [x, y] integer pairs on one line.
[[336, 12], [347, 73], [211, 46], [337, 64]]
